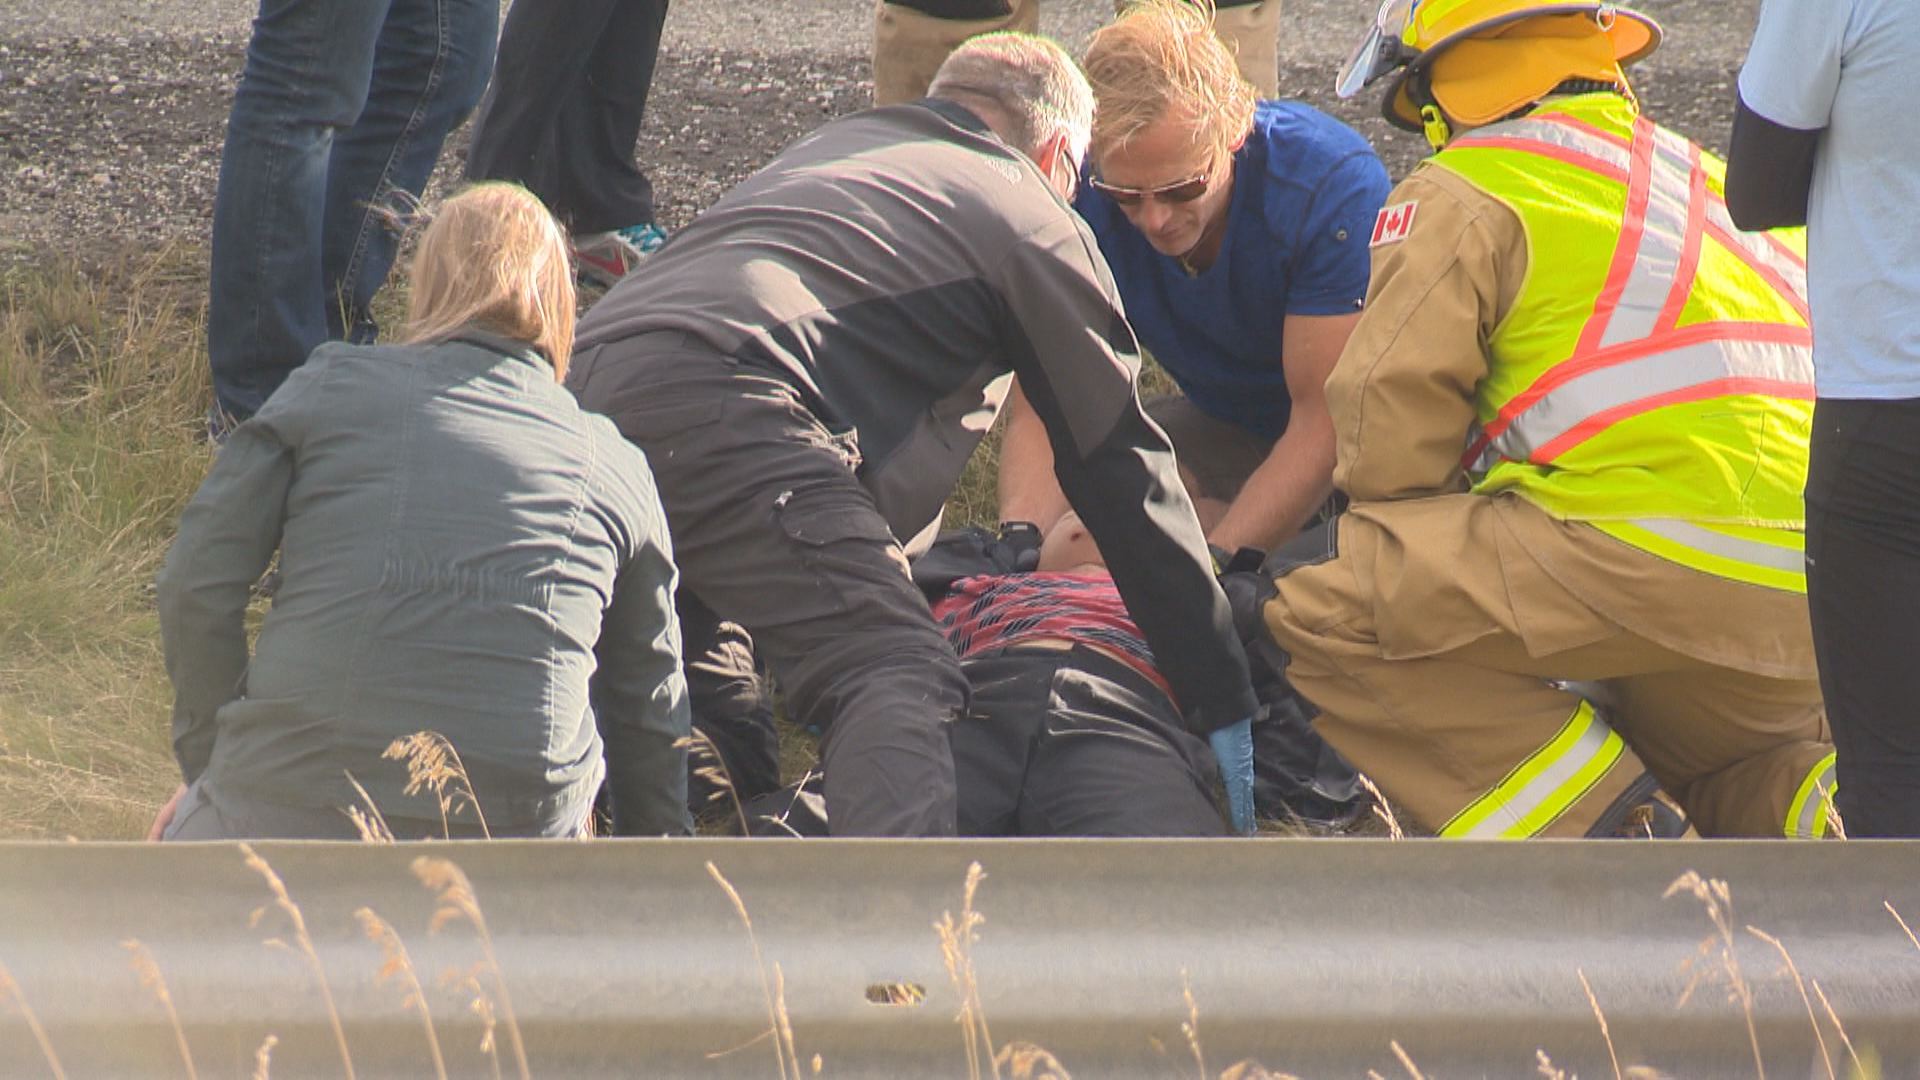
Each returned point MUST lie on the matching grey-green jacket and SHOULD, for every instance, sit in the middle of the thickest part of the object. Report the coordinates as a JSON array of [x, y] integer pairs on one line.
[[462, 550]]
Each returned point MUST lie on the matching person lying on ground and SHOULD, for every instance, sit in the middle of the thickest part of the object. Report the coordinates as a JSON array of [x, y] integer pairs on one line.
[[812, 361], [1237, 232], [463, 550], [1072, 730]]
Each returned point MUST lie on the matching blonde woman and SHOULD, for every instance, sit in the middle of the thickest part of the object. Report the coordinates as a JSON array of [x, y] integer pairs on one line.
[[1237, 230], [462, 551]]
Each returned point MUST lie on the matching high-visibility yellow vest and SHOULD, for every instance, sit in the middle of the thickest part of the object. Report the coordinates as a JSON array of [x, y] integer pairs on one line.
[[1655, 376]]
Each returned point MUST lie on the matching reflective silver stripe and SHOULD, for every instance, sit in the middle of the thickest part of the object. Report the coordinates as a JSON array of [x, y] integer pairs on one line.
[[1564, 135], [1750, 552], [1538, 791], [1663, 236], [1609, 387], [1761, 250]]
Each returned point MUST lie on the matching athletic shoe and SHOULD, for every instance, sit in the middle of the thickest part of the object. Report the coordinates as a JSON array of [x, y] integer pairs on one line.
[[602, 259], [648, 238]]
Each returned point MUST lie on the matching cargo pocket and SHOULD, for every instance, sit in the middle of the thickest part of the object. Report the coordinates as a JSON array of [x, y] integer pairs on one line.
[[849, 554]]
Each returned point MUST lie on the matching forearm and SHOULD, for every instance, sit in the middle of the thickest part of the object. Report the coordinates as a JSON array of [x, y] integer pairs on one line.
[[1028, 489], [1285, 491], [1769, 171], [640, 699], [647, 772]]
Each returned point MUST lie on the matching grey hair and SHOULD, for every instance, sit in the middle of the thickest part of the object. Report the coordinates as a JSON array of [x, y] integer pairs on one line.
[[1029, 81]]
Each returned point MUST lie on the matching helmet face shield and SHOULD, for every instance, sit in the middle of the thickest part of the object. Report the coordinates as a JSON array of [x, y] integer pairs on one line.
[[1380, 51]]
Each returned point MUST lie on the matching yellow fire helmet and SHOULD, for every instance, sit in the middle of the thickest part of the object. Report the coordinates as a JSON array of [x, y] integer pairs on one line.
[[1480, 60]]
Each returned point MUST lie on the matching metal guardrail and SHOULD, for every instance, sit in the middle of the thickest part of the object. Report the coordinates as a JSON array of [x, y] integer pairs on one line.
[[627, 958]]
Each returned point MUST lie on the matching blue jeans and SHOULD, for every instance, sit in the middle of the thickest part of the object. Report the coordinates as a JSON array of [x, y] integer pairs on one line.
[[343, 105]]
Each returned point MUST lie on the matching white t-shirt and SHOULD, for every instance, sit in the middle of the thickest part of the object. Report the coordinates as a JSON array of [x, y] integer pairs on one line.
[[1852, 67]]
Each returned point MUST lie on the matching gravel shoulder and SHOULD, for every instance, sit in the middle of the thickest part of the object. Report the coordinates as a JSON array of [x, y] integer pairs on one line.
[[112, 111]]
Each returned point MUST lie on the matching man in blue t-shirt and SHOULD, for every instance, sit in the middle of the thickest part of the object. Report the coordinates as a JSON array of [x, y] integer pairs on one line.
[[1237, 232]]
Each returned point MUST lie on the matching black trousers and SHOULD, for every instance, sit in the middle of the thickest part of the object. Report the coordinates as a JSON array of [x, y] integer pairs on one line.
[[563, 113], [1075, 743], [772, 530], [1863, 587], [1056, 743]]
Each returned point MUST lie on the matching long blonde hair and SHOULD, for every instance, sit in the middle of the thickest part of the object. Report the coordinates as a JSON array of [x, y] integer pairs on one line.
[[1162, 58], [494, 258]]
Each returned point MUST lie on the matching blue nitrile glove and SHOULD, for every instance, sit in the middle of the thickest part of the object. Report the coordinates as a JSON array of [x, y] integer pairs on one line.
[[1233, 749]]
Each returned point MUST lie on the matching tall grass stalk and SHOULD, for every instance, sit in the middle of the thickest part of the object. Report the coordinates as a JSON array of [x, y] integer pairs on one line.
[[1717, 899], [263, 1057], [10, 993], [957, 938], [1787, 967], [457, 902], [1888, 904], [148, 971], [298, 921], [395, 963], [1606, 1036], [773, 988]]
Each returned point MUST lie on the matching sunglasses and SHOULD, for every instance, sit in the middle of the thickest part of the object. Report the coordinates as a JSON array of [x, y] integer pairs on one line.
[[1180, 191]]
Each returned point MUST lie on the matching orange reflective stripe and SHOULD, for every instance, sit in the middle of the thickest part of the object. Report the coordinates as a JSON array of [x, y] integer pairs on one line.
[[1634, 326], [1649, 359]]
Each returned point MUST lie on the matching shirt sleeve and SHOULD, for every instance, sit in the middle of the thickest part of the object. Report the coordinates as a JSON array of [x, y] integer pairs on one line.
[[1793, 67], [228, 534], [1076, 359], [1330, 265], [639, 692], [1402, 393]]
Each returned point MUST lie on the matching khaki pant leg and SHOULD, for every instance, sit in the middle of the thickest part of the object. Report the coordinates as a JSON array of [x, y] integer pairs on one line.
[[1252, 33], [909, 46], [1215, 457], [1745, 755], [1486, 747]]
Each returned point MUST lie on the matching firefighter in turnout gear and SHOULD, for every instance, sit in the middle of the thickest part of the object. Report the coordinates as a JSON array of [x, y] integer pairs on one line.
[[912, 37], [1573, 423]]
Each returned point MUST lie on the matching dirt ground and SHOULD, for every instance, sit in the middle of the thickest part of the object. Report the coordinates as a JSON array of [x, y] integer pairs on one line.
[[112, 111]]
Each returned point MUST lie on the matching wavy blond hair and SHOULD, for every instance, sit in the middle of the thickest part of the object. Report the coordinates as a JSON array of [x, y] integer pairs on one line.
[[1162, 58], [494, 258]]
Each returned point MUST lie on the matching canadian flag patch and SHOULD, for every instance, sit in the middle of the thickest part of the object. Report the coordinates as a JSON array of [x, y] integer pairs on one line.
[[1393, 224]]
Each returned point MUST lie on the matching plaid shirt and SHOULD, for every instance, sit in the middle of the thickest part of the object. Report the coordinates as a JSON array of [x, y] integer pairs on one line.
[[991, 612]]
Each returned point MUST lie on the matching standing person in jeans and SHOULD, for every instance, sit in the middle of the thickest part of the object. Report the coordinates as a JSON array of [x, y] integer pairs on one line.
[[464, 551], [812, 361], [562, 116], [1820, 138], [339, 115]]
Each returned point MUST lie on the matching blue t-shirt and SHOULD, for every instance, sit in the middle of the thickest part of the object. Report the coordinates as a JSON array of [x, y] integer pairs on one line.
[[1848, 67], [1306, 189]]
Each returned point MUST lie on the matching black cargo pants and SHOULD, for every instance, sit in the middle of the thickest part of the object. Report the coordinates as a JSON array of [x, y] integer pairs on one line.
[[772, 530]]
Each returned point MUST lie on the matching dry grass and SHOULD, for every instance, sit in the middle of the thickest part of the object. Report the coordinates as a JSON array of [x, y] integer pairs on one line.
[[433, 767], [458, 903], [16, 1001], [297, 922], [102, 395], [773, 988]]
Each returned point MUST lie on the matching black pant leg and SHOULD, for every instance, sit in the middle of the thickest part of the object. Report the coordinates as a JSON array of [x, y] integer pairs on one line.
[[569, 88], [994, 740], [1113, 759], [595, 132], [1863, 590]]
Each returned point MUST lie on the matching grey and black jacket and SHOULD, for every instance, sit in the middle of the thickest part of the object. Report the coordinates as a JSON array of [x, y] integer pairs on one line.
[[895, 266]]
